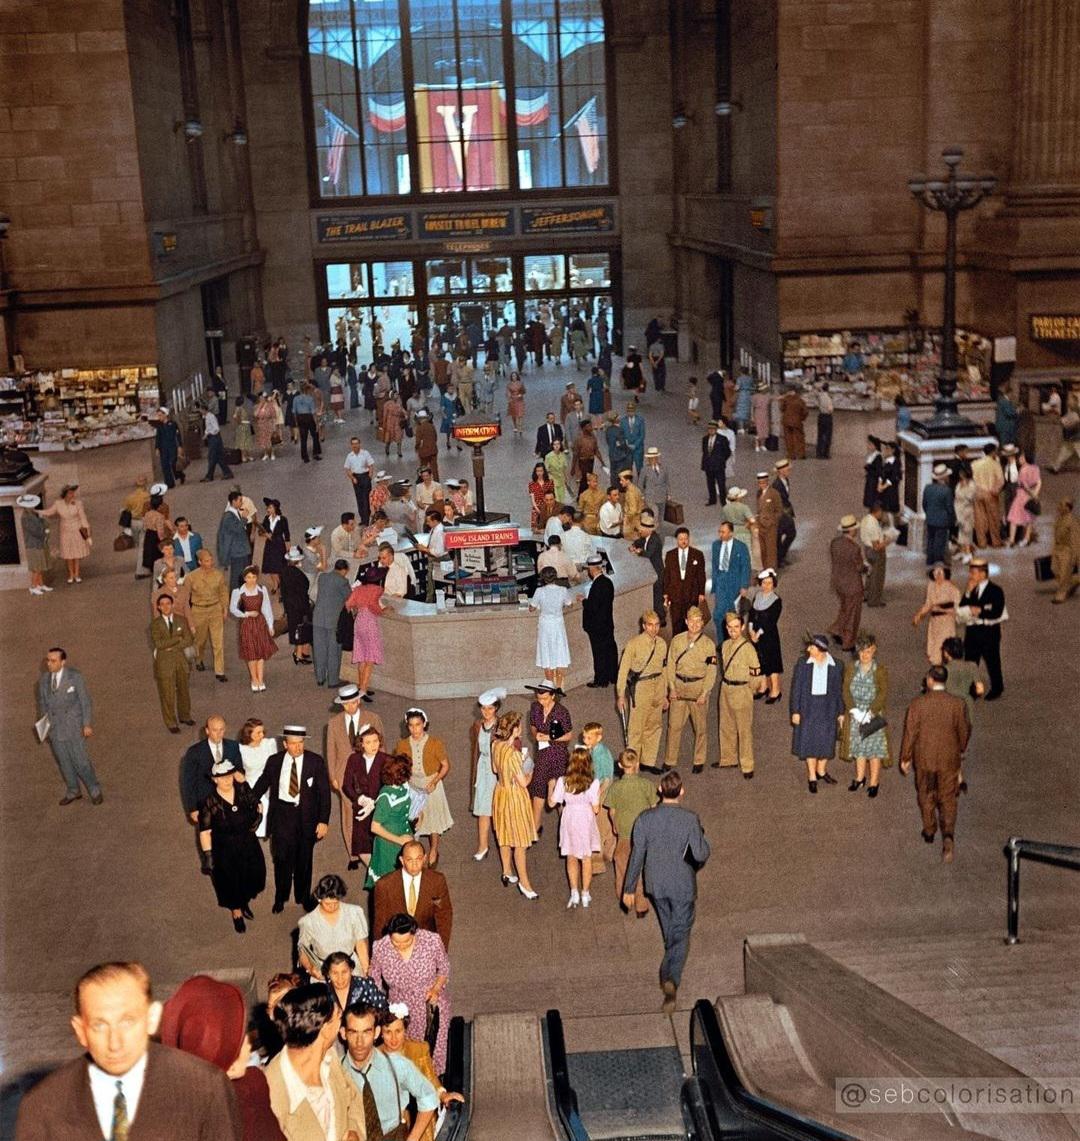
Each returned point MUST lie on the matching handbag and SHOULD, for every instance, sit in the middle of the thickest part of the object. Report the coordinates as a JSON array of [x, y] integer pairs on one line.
[[431, 1026], [275, 438], [304, 634], [874, 725], [1033, 506], [124, 520], [344, 632], [85, 532], [673, 513], [123, 542]]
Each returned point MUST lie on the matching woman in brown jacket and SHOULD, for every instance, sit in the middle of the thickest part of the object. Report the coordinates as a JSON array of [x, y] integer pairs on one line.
[[865, 690], [430, 767]]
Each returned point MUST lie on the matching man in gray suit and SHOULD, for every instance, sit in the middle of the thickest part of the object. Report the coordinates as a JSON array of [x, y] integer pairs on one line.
[[233, 545], [333, 590], [65, 700], [668, 844]]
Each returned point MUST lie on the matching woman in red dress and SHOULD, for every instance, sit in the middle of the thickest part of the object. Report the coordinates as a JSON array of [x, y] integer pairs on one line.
[[539, 486], [250, 603]]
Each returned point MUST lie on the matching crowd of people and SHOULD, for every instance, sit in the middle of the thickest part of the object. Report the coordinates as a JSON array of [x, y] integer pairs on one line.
[[353, 1035]]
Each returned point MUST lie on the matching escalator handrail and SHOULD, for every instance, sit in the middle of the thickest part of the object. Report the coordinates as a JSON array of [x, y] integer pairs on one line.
[[566, 1102], [695, 1111], [457, 1079], [704, 1022]]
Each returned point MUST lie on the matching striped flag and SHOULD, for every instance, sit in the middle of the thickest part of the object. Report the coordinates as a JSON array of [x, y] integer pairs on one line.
[[585, 124]]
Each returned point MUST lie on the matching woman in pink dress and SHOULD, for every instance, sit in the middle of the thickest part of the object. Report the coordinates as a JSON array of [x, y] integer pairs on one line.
[[250, 603], [1019, 517], [74, 538], [579, 836], [515, 401], [942, 599], [265, 420], [380, 493], [413, 967], [364, 605]]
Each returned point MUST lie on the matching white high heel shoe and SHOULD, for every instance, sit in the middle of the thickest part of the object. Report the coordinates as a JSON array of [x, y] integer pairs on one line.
[[478, 856], [528, 894]]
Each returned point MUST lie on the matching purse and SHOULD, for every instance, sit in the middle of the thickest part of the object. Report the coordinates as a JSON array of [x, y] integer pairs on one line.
[[123, 542], [1033, 506], [874, 725], [431, 1025], [85, 532]]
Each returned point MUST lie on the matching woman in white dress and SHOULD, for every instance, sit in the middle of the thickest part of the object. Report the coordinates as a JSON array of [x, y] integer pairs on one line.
[[481, 735], [255, 750], [552, 647]]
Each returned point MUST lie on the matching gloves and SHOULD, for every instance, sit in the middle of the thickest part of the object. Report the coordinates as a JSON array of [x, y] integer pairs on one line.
[[365, 807], [206, 859]]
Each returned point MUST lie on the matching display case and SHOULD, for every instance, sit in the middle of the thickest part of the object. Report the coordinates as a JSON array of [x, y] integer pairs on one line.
[[868, 368], [491, 566], [69, 409]]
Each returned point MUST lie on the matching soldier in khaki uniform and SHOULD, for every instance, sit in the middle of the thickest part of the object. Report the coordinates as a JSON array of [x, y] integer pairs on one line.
[[590, 501], [645, 656], [170, 636], [739, 679], [769, 509], [691, 674], [633, 503], [209, 594]]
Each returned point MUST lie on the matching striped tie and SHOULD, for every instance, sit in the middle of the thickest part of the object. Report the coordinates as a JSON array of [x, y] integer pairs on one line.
[[121, 1127], [294, 780]]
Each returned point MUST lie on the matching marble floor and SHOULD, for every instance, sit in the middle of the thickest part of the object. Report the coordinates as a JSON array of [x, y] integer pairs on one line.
[[82, 884]]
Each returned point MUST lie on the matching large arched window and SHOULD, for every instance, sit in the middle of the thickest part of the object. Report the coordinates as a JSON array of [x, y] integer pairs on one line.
[[445, 96]]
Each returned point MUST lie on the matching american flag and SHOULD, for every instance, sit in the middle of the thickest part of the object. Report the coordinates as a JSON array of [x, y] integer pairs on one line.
[[585, 124], [335, 156]]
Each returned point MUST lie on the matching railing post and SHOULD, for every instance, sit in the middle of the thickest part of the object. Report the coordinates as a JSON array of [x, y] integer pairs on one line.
[[1012, 852]]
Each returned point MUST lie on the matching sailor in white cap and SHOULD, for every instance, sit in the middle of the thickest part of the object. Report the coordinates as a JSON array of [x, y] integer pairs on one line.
[[342, 740], [483, 780], [298, 815]]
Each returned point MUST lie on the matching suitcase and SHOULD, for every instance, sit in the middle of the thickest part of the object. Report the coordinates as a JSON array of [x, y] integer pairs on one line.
[[673, 513], [1043, 572], [233, 456]]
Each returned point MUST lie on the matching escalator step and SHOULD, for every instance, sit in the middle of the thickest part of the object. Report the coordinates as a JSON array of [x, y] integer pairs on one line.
[[624, 1094]]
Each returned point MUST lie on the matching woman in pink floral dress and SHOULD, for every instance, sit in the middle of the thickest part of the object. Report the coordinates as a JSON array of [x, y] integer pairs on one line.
[[364, 605], [413, 967]]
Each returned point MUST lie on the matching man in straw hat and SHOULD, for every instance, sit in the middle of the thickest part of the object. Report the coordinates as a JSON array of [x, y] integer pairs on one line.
[[940, 514], [846, 580], [342, 740], [982, 608], [642, 689], [598, 622], [655, 482], [770, 510], [298, 816]]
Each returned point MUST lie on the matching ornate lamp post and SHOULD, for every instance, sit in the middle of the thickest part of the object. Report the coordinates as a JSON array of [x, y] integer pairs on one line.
[[949, 196]]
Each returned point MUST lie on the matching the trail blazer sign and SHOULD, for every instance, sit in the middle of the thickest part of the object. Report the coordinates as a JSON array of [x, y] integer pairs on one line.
[[394, 226], [1056, 327], [458, 539]]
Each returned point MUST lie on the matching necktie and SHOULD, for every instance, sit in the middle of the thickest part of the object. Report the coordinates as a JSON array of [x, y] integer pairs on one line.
[[724, 558], [121, 1127], [352, 732], [294, 780], [55, 682], [682, 564], [168, 625], [217, 753], [410, 903], [373, 1126]]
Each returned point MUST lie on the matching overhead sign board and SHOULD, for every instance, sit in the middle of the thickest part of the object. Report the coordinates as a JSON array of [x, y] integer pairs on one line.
[[393, 225], [1055, 327], [461, 538]]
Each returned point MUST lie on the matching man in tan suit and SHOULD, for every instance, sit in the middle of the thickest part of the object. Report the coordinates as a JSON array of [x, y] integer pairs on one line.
[[642, 698], [415, 890], [936, 731], [989, 479], [342, 739], [208, 593], [683, 579], [633, 503], [769, 509], [690, 675], [846, 559], [171, 637]]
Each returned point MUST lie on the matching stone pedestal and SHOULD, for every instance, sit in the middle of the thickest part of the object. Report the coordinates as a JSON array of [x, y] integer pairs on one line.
[[13, 572], [920, 455]]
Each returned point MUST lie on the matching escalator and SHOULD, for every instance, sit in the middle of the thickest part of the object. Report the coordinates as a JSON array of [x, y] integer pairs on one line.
[[642, 1094]]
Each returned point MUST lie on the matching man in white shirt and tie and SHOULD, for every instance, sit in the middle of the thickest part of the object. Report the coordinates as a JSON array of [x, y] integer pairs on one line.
[[730, 575], [195, 782], [547, 434], [215, 449], [170, 637], [419, 891]]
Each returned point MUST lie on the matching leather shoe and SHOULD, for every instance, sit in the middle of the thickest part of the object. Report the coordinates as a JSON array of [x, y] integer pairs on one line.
[[872, 791], [221, 677], [246, 912], [69, 799], [748, 776], [828, 778], [239, 926], [96, 798], [812, 786], [928, 837], [174, 728], [278, 908], [200, 666], [594, 685], [694, 769]]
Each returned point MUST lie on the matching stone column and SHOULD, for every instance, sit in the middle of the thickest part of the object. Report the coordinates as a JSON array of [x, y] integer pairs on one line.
[[1046, 143]]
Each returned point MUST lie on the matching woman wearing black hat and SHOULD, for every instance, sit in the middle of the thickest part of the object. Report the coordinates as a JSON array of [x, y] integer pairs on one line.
[[230, 852], [552, 730], [275, 529], [817, 709]]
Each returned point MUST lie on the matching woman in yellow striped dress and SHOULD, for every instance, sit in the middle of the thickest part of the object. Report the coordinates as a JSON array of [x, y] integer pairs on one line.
[[511, 810]]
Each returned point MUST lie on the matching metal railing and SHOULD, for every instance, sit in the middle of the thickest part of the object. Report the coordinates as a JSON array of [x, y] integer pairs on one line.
[[566, 1102], [1017, 849], [457, 1079]]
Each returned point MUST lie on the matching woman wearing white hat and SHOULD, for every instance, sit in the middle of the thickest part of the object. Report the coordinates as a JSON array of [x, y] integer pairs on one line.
[[35, 533], [739, 515], [481, 734], [74, 529], [296, 600]]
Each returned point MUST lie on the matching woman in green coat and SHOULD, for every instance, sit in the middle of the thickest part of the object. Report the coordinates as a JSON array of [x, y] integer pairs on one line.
[[865, 690], [390, 826]]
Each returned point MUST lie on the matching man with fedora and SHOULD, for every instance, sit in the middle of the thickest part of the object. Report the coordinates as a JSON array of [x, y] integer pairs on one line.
[[427, 443], [940, 514], [65, 701], [633, 430], [715, 453], [682, 579], [343, 739], [332, 590], [846, 580], [655, 482], [785, 526], [298, 816], [598, 622], [982, 608], [171, 638], [650, 546], [233, 544], [770, 510], [793, 414]]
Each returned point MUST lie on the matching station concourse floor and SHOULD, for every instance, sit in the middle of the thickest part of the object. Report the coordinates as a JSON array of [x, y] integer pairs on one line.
[[83, 884]]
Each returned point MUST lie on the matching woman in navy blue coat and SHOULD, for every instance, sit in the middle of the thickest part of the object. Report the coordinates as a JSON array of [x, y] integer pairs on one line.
[[817, 709]]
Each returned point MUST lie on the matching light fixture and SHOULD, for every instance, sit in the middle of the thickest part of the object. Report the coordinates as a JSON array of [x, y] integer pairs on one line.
[[680, 119], [237, 136], [727, 106], [192, 129]]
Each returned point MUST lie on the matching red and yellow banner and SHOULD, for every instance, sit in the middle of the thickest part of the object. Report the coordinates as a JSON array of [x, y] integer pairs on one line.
[[462, 145]]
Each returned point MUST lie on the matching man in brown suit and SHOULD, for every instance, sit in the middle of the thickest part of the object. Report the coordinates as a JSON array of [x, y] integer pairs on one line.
[[415, 890], [846, 557], [936, 731], [342, 739], [171, 637], [128, 1085], [793, 412], [427, 443], [769, 509], [683, 579]]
